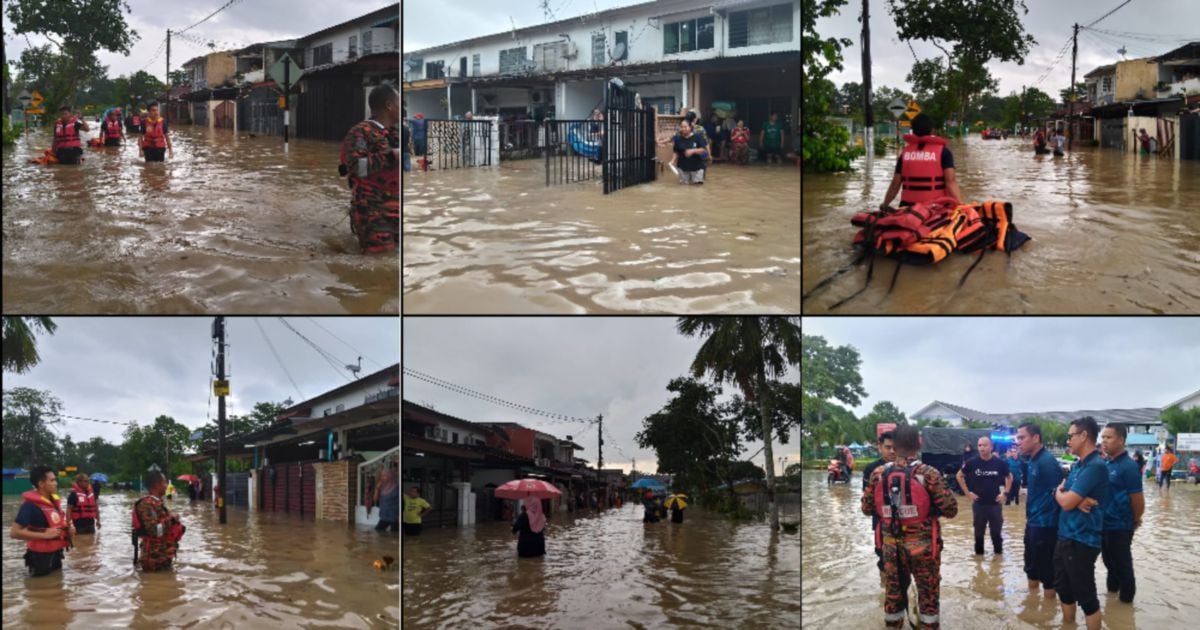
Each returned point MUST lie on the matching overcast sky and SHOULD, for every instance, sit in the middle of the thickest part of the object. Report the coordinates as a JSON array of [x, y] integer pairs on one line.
[[244, 23], [429, 23], [1048, 22], [131, 368], [1014, 365], [582, 367]]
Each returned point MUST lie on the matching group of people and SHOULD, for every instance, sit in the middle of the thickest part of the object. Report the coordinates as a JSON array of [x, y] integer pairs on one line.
[[1092, 512], [655, 509], [1056, 136], [155, 141], [49, 531], [695, 146]]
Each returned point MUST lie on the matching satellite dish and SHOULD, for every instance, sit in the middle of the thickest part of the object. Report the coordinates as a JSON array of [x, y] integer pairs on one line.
[[618, 52]]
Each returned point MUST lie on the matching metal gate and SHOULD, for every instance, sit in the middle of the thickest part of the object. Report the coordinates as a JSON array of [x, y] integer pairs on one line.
[[223, 115], [239, 489], [290, 488], [628, 148], [1189, 137], [574, 150], [457, 144], [1112, 133]]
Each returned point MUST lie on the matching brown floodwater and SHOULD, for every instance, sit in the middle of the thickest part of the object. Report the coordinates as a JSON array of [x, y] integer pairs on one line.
[[841, 583], [490, 240], [1112, 233], [229, 225], [606, 570], [260, 570]]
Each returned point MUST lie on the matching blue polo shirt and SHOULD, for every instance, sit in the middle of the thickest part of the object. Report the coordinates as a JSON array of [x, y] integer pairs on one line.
[[1125, 478], [1089, 479], [1041, 509], [1014, 467]]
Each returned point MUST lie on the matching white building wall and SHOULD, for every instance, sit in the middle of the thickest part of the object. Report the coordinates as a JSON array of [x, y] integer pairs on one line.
[[427, 102]]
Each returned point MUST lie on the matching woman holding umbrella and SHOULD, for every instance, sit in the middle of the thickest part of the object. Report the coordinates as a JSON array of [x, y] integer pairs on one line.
[[531, 524], [677, 504]]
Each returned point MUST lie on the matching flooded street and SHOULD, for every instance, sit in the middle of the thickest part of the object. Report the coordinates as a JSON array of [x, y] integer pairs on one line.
[[228, 225], [256, 571], [606, 569], [499, 240], [1112, 233], [841, 583]]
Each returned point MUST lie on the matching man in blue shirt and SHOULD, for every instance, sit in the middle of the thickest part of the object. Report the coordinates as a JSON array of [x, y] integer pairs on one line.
[[1123, 514], [1014, 468], [1080, 528], [1041, 510]]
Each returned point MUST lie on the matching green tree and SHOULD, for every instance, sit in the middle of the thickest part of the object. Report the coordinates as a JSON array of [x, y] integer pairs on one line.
[[1179, 421], [932, 422], [747, 470], [691, 437], [785, 411], [885, 411], [825, 145], [748, 352], [1054, 433], [976, 424], [1080, 92], [20, 344], [883, 97], [28, 416], [850, 100]]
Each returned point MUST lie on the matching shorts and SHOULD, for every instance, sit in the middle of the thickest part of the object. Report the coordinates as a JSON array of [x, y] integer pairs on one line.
[[691, 177], [68, 156], [112, 142], [765, 151], [1039, 554], [411, 529], [154, 154], [40, 563], [1075, 574]]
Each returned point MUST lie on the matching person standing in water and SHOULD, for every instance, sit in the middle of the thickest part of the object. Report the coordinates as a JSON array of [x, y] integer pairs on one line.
[[387, 496], [531, 541], [689, 155], [112, 130], [67, 146], [155, 138], [82, 507], [415, 509], [156, 531], [42, 525], [370, 159]]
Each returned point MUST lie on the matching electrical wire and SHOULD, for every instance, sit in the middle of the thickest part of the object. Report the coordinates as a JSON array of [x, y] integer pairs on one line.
[[277, 359], [459, 389], [210, 15], [360, 352], [333, 361], [1097, 21]]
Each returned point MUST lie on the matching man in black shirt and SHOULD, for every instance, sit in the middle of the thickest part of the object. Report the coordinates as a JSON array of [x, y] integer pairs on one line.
[[986, 481]]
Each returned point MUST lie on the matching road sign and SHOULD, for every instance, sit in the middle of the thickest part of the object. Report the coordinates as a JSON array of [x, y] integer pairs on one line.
[[1160, 434], [905, 124], [37, 98], [913, 110], [897, 107], [25, 98], [35, 110], [221, 388], [285, 66], [1187, 442]]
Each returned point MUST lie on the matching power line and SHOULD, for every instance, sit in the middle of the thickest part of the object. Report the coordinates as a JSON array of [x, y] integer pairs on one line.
[[333, 361], [63, 415], [1108, 14], [459, 389], [360, 352], [277, 359], [210, 15]]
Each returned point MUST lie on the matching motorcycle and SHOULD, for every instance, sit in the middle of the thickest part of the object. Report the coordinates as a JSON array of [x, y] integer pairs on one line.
[[837, 473]]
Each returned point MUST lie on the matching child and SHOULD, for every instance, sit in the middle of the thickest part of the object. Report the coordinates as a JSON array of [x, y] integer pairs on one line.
[[741, 143]]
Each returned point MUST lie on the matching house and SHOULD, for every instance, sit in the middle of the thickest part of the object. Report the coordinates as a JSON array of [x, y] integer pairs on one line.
[[1101, 84], [1187, 402], [213, 90], [676, 54]]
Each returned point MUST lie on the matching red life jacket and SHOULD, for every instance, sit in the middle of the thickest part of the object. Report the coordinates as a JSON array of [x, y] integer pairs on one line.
[[85, 503], [921, 169], [54, 517], [65, 136], [112, 127], [914, 505], [154, 137], [137, 120]]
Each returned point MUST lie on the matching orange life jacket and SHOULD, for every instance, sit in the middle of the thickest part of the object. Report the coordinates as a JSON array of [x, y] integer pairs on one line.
[[56, 519], [921, 169], [154, 137], [85, 503], [65, 135], [112, 127]]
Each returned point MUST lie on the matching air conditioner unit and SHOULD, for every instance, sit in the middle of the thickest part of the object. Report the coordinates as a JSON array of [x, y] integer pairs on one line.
[[382, 40], [569, 50]]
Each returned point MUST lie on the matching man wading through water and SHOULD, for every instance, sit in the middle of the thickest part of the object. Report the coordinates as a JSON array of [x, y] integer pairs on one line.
[[986, 481], [370, 159]]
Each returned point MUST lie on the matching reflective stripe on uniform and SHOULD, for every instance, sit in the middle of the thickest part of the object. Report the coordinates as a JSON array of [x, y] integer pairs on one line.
[[897, 616], [929, 618]]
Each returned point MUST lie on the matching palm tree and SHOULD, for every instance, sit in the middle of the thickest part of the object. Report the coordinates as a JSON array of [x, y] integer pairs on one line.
[[748, 351], [19, 343]]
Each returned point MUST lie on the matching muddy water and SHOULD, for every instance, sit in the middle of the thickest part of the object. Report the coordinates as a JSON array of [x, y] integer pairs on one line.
[[499, 240], [841, 582], [605, 570], [1112, 233], [256, 571], [229, 225]]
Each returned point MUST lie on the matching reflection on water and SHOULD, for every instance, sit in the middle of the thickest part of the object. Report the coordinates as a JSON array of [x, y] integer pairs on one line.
[[229, 225], [841, 582], [499, 240], [256, 571], [1112, 233], [605, 570]]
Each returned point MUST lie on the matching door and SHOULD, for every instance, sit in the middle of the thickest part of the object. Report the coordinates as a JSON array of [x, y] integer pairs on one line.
[[628, 148], [224, 115]]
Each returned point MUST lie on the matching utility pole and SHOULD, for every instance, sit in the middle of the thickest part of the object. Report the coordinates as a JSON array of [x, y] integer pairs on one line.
[[222, 390], [600, 441], [168, 60], [1071, 104], [868, 115]]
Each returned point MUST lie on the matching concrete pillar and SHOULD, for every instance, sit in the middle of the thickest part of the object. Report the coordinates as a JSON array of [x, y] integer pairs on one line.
[[465, 503], [253, 496]]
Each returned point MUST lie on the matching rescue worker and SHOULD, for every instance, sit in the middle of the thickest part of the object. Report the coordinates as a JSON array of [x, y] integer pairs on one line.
[[112, 130], [67, 146], [1123, 514], [42, 525], [154, 136], [925, 168], [82, 507], [887, 453], [370, 159], [909, 496], [159, 531]]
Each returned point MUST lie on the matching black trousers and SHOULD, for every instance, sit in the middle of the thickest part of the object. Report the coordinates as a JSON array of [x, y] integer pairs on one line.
[[1075, 574], [154, 155], [68, 156], [1118, 559], [383, 526], [1039, 554], [40, 563], [991, 517], [1015, 497], [411, 529]]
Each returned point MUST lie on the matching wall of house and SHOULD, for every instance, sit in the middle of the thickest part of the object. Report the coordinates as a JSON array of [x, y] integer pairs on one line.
[[1134, 75], [219, 68], [335, 489], [520, 441], [427, 102], [579, 99], [644, 35], [352, 397]]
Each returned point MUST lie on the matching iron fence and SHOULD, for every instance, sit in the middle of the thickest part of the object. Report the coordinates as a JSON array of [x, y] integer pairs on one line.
[[629, 128], [458, 143], [574, 150]]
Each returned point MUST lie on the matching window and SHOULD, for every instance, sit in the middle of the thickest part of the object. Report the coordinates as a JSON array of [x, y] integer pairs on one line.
[[550, 57], [462, 67], [435, 70], [366, 42], [353, 46], [323, 54], [512, 60], [413, 68], [665, 104], [622, 40], [768, 25], [340, 407], [1107, 84], [598, 49], [688, 35], [454, 437], [475, 65]]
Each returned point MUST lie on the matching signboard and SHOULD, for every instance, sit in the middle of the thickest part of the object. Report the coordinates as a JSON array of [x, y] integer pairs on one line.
[[25, 98], [883, 427], [897, 107], [221, 388], [285, 66], [1160, 434], [1187, 442], [37, 98], [913, 110], [70, 469], [905, 124], [35, 110]]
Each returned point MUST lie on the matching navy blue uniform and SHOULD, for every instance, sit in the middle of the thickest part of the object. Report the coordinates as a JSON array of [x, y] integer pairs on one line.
[[1041, 517], [1080, 535], [1125, 478]]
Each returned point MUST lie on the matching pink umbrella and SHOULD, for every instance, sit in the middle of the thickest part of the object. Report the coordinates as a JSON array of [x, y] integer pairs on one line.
[[526, 488]]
